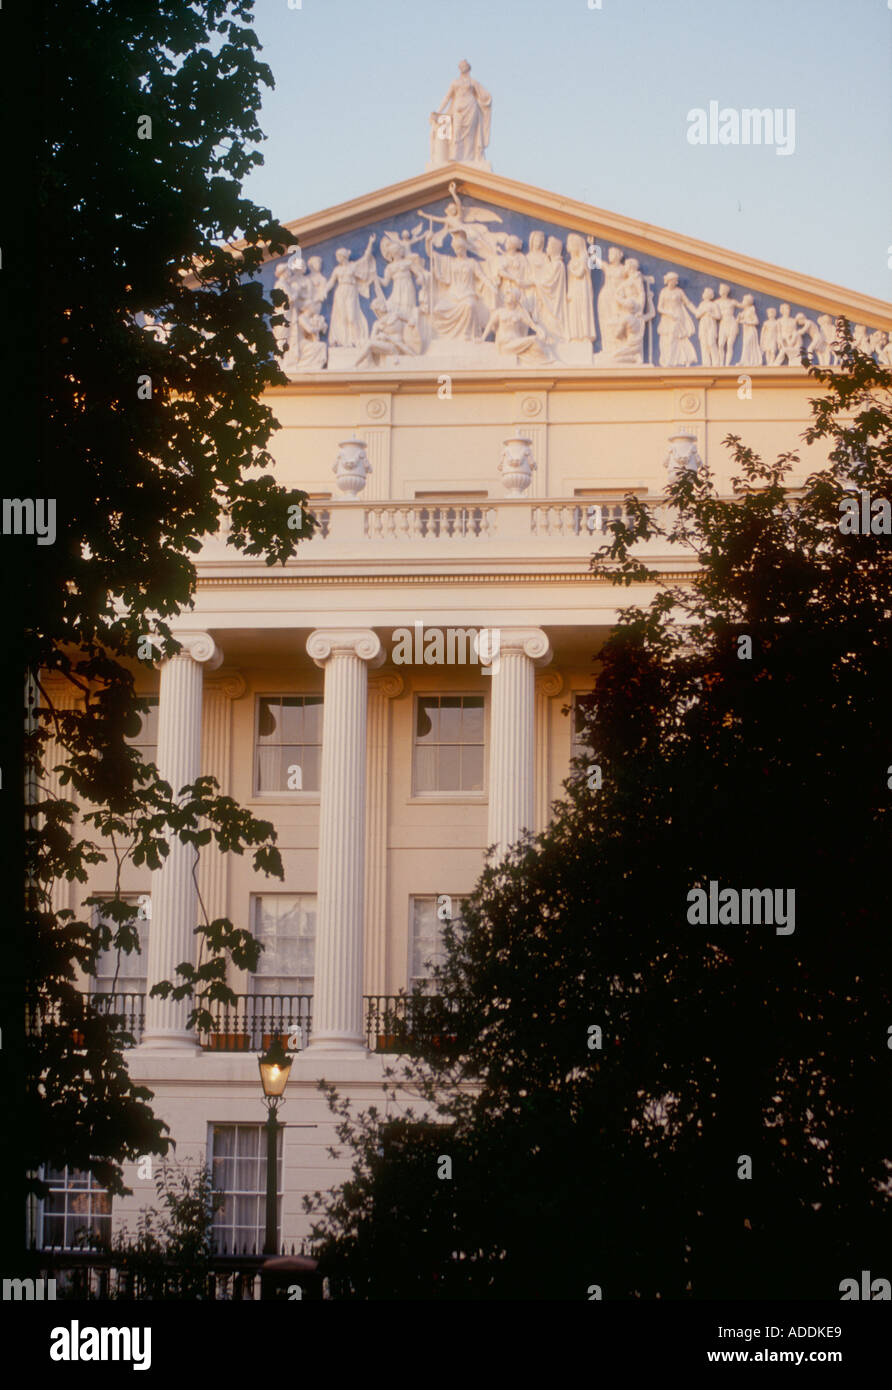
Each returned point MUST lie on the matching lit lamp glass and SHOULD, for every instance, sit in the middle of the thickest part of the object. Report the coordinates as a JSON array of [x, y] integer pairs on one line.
[[275, 1068]]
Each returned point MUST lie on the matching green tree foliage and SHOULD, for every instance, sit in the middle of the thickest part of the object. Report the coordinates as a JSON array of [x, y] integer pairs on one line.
[[158, 346], [169, 1257], [623, 1165]]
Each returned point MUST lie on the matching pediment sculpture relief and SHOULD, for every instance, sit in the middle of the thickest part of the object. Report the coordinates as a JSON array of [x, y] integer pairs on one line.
[[457, 290]]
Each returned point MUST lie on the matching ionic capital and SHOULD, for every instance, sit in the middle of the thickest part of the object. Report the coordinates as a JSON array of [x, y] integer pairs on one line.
[[389, 686], [531, 642], [201, 647], [362, 642]]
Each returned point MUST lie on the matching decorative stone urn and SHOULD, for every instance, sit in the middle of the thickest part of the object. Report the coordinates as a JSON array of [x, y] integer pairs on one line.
[[683, 454], [351, 467], [516, 464]]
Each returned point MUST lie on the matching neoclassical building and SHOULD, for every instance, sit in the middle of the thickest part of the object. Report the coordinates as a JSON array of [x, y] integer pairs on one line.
[[479, 372]]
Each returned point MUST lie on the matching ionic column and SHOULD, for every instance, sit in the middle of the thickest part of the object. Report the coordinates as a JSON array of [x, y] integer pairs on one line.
[[382, 689], [65, 697], [345, 656], [548, 685], [216, 761], [174, 896], [512, 805]]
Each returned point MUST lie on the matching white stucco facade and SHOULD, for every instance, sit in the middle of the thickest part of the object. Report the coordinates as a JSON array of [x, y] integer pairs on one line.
[[435, 533]]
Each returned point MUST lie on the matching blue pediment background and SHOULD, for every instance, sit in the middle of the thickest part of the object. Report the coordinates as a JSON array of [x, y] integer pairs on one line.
[[521, 224]]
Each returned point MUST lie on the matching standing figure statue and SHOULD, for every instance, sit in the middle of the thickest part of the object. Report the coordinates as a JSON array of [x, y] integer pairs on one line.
[[789, 339], [727, 324], [580, 298], [750, 352], [547, 292], [830, 332], [608, 320], [676, 324], [709, 313], [403, 269], [460, 128], [349, 280], [769, 340]]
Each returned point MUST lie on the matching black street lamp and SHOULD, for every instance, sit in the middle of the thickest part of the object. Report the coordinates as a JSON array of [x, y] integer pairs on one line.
[[275, 1068]]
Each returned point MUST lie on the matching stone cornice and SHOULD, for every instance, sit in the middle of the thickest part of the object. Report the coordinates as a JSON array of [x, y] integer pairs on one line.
[[274, 581], [478, 381]]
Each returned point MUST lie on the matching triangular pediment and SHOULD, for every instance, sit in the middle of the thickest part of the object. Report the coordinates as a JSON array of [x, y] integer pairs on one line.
[[459, 269]]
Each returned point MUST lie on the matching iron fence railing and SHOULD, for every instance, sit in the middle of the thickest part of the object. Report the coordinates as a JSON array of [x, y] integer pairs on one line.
[[254, 1020], [393, 1022], [115, 1274]]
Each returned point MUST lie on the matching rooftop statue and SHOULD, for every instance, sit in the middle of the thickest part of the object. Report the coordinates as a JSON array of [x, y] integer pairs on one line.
[[460, 128]]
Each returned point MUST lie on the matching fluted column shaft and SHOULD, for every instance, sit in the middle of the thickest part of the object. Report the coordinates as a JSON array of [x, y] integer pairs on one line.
[[382, 690], [174, 895], [512, 806], [344, 655]]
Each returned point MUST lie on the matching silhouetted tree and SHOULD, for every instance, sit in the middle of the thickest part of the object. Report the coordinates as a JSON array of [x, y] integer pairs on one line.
[[727, 1134]]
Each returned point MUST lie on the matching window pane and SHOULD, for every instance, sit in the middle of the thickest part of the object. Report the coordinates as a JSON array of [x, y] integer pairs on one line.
[[450, 767], [312, 768], [450, 719], [472, 719], [291, 729], [312, 718], [269, 769], [472, 768], [267, 722], [426, 769], [427, 719]]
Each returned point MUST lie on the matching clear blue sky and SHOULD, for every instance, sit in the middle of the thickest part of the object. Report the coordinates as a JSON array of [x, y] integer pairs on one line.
[[593, 104]]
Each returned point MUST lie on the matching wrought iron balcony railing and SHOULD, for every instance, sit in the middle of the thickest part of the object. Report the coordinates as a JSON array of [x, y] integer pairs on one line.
[[393, 1022]]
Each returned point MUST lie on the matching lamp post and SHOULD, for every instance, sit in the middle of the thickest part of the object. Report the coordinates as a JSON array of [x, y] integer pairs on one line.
[[275, 1067]]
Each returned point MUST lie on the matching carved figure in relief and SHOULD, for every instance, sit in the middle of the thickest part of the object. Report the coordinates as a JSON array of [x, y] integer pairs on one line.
[[709, 313], [470, 220], [349, 280], [547, 289], [516, 331], [580, 296], [860, 339], [510, 268], [789, 339], [458, 310], [403, 270], [402, 242], [635, 303], [727, 324], [390, 335], [817, 343], [876, 342], [554, 250], [769, 340], [829, 330], [607, 318], [285, 333], [315, 286], [750, 352], [676, 324], [470, 109], [313, 351]]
